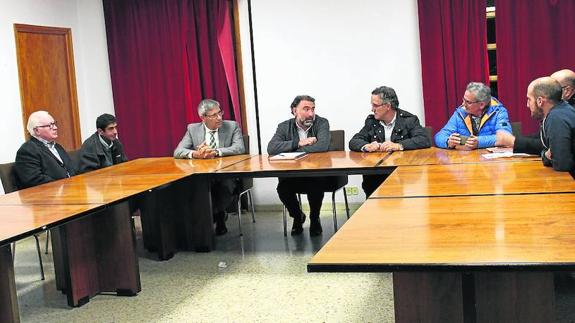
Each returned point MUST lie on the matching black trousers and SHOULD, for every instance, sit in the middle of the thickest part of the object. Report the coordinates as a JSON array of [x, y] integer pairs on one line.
[[222, 192], [313, 187], [371, 183]]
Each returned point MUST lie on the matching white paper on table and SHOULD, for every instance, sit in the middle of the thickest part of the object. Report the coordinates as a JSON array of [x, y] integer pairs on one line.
[[504, 154]]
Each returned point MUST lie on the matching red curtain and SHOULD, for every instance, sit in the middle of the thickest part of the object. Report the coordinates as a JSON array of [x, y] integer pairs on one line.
[[165, 57], [533, 40], [453, 42]]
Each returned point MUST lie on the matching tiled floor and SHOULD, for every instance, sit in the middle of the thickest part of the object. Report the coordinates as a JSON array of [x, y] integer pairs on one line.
[[261, 277], [258, 278]]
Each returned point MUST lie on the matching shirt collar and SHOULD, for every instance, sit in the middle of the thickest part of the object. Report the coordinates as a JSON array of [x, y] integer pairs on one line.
[[210, 130], [392, 123], [106, 145], [47, 143]]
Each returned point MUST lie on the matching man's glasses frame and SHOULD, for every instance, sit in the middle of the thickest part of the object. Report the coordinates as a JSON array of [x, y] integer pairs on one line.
[[215, 115], [52, 125]]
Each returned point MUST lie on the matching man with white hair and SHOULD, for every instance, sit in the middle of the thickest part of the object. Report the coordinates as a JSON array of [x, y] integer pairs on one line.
[[41, 160]]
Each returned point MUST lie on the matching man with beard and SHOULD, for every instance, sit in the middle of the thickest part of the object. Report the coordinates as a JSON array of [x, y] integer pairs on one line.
[[544, 100], [387, 129], [532, 144], [306, 132]]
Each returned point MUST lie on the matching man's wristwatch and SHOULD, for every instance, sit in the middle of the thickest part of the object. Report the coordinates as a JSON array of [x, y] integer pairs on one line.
[[400, 146]]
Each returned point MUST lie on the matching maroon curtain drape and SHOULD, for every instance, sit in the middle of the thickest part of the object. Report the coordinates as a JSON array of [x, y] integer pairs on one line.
[[533, 40], [453, 42], [165, 56]]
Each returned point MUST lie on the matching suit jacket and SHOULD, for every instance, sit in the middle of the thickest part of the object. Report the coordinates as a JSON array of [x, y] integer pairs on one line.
[[229, 135], [407, 131], [286, 138], [92, 155], [35, 164], [529, 144]]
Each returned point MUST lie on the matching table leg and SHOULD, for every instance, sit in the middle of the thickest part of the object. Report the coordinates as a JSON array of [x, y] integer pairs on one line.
[[99, 255], [196, 231], [158, 213], [8, 299], [428, 297], [515, 297]]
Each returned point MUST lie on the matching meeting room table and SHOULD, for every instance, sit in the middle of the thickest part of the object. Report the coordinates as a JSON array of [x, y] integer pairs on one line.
[[467, 238]]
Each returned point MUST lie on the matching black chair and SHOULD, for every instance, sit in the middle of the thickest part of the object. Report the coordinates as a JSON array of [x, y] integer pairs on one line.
[[335, 183], [244, 187], [8, 177], [429, 133]]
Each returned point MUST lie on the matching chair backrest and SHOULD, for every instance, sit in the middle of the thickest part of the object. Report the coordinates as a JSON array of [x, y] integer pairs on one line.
[[337, 142], [429, 133], [247, 143], [8, 177], [516, 128]]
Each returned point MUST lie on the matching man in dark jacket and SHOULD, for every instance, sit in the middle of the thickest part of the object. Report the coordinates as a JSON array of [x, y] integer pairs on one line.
[[558, 128], [387, 129], [310, 133], [41, 160], [102, 149], [532, 144]]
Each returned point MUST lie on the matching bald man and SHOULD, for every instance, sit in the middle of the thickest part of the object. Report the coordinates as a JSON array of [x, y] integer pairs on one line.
[[566, 79], [544, 100], [532, 144]]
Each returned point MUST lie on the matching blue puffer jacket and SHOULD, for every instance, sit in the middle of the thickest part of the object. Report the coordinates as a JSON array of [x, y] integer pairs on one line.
[[494, 119]]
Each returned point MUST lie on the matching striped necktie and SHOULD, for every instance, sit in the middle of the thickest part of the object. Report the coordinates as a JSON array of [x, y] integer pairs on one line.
[[212, 143]]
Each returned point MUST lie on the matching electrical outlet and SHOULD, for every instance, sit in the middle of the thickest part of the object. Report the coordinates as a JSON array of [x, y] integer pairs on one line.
[[351, 190]]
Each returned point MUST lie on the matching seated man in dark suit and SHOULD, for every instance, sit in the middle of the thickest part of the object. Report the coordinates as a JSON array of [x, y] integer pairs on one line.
[[102, 149], [213, 137], [387, 129], [305, 132], [41, 160]]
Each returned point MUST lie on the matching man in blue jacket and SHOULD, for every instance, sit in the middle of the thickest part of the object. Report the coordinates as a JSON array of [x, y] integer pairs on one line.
[[474, 124]]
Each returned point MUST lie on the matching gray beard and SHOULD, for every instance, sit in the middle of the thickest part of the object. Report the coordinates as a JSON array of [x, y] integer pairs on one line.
[[308, 123]]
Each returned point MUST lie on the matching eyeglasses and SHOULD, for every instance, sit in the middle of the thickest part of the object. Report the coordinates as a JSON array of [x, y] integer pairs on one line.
[[52, 125], [215, 115], [374, 106], [467, 102]]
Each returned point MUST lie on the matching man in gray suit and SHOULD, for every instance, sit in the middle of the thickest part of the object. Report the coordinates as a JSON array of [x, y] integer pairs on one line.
[[213, 137]]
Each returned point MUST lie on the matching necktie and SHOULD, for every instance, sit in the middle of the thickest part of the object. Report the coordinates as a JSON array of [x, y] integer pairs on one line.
[[212, 143]]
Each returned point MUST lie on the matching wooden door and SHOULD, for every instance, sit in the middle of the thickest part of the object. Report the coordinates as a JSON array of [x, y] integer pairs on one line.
[[47, 78]]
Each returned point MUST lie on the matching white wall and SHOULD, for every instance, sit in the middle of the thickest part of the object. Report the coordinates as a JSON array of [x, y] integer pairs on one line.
[[336, 51], [86, 19]]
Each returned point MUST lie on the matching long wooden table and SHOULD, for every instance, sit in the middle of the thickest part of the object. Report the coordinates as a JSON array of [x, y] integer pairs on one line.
[[467, 239], [97, 191], [93, 240]]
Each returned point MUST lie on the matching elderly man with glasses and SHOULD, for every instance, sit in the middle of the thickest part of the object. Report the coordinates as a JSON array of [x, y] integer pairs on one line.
[[41, 160], [387, 129], [213, 137], [474, 124]]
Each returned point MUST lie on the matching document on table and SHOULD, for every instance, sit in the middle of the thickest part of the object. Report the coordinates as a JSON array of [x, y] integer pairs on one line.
[[289, 156], [504, 154]]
